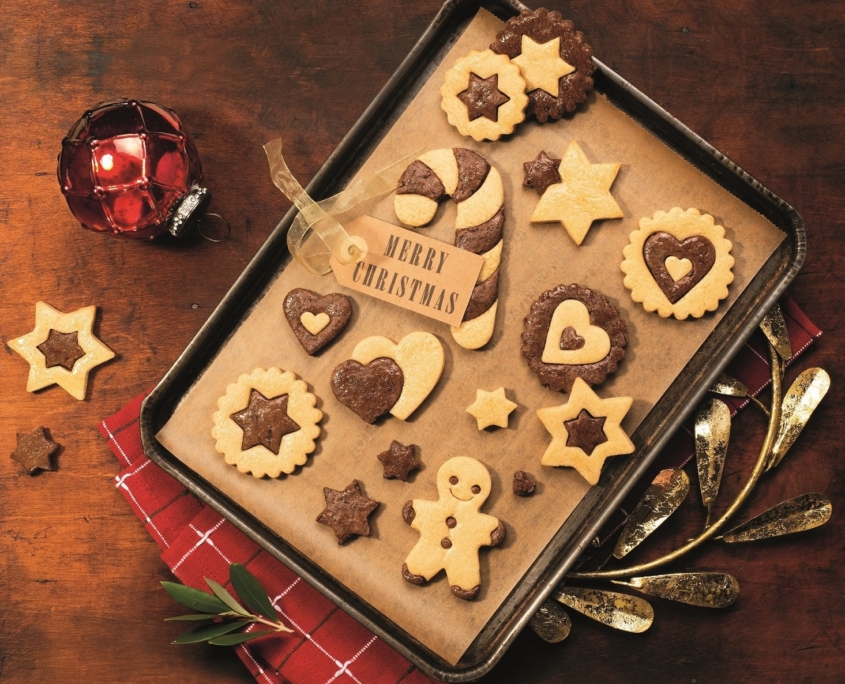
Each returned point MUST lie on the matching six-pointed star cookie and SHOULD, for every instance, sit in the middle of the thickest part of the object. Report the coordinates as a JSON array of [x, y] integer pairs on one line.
[[582, 196], [346, 511], [483, 97], [564, 449], [491, 408], [33, 451], [41, 353], [399, 461], [542, 66], [541, 173]]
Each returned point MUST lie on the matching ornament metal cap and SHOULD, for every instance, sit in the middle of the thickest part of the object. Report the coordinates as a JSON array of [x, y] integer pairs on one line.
[[189, 211]]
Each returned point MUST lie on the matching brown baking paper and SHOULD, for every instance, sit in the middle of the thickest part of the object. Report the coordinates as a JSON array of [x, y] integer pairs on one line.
[[535, 258]]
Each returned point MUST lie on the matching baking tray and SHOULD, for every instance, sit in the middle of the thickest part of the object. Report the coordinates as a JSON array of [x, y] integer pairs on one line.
[[667, 415]]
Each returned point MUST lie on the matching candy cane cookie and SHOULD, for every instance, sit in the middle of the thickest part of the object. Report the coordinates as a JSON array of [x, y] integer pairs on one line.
[[476, 187]]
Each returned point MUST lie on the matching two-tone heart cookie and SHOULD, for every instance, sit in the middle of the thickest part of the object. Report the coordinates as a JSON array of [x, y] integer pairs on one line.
[[573, 332], [316, 320], [383, 377]]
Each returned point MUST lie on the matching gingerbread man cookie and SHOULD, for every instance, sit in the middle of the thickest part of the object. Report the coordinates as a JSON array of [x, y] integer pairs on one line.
[[453, 529]]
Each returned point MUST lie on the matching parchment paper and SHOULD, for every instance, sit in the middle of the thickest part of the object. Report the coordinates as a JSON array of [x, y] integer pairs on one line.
[[536, 258]]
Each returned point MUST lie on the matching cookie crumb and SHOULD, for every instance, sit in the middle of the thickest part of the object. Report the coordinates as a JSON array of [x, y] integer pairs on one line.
[[524, 483]]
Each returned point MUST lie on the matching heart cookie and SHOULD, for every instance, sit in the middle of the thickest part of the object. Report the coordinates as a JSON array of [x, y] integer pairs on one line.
[[316, 320], [573, 332], [371, 390], [572, 339], [419, 357], [678, 264]]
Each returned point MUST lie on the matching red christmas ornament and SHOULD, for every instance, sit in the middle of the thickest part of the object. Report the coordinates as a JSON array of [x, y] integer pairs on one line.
[[127, 167]]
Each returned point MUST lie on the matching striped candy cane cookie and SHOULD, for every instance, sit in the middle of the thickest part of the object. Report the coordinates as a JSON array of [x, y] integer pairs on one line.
[[476, 188]]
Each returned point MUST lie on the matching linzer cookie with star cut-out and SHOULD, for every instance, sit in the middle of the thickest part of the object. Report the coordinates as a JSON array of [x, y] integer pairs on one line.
[[266, 423], [554, 60], [316, 320], [678, 264], [573, 332], [484, 95], [382, 377]]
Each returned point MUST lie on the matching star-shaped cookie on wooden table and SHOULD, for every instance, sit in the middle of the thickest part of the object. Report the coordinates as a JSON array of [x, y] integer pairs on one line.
[[491, 408], [585, 431], [399, 461], [33, 451], [346, 511], [61, 349], [581, 197]]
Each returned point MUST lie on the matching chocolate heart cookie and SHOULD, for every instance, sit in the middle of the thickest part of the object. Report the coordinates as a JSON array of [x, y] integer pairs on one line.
[[573, 332], [370, 391], [667, 257], [316, 320]]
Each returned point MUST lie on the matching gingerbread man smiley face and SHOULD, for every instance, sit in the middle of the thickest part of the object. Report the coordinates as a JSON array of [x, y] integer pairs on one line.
[[465, 479], [453, 529]]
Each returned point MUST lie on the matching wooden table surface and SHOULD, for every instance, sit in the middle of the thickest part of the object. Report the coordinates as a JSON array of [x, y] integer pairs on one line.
[[79, 576]]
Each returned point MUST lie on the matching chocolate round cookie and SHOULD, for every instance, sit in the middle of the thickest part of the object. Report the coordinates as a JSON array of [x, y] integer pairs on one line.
[[573, 332], [557, 80]]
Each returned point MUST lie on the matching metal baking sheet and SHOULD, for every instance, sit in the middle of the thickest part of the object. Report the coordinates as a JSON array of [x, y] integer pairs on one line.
[[552, 564]]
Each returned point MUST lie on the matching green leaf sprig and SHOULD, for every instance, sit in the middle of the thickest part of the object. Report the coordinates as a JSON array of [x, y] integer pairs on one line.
[[220, 612]]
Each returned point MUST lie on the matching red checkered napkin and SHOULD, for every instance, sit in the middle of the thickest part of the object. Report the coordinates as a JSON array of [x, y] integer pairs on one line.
[[327, 645]]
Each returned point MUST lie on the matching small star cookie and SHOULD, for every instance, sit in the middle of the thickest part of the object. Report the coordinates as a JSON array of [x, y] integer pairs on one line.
[[581, 197], [347, 511], [399, 461], [62, 349], [491, 408], [585, 431], [266, 423], [33, 451]]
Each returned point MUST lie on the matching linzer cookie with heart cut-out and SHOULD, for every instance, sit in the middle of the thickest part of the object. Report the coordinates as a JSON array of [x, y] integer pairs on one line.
[[316, 320], [678, 263], [384, 377], [573, 332]]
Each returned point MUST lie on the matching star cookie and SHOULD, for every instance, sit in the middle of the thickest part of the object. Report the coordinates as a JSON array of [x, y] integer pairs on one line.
[[585, 431], [555, 61], [581, 197], [33, 451], [266, 423], [541, 173], [491, 408], [399, 461], [484, 95], [62, 349], [347, 511], [678, 264]]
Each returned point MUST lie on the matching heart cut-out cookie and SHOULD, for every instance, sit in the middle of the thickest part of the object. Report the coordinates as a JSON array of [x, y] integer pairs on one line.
[[420, 357], [369, 390], [678, 263], [573, 332], [316, 320], [584, 343]]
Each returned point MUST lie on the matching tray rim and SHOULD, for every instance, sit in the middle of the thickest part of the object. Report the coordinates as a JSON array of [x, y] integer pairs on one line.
[[204, 341]]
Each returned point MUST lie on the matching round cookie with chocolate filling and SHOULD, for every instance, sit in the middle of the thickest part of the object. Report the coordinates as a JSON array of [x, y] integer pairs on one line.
[[573, 332], [554, 60]]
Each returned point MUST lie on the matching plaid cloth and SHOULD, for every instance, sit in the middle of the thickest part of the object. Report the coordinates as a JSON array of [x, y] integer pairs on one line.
[[327, 645]]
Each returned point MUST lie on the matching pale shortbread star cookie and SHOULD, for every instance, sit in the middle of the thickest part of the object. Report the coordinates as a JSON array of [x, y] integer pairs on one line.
[[678, 263], [582, 196], [542, 66], [593, 433], [420, 357], [453, 528], [295, 445], [483, 65], [92, 351], [491, 408]]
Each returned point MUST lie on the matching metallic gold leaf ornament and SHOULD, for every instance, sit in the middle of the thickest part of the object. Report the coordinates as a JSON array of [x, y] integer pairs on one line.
[[796, 515], [620, 611], [661, 499], [704, 589], [712, 430], [731, 387], [800, 401], [551, 622], [774, 328]]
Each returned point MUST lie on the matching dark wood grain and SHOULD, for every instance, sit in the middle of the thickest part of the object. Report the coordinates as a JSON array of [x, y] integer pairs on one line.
[[762, 81]]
